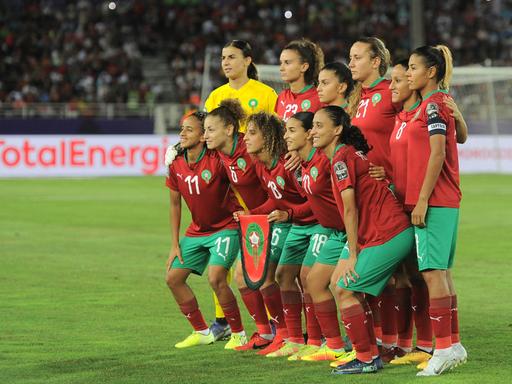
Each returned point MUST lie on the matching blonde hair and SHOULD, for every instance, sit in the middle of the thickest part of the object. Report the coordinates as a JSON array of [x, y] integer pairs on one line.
[[438, 56], [378, 49]]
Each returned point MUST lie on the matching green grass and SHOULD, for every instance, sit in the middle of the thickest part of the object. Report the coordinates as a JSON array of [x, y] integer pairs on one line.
[[83, 298]]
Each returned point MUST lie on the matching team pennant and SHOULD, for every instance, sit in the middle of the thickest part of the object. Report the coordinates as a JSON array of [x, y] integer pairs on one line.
[[255, 233]]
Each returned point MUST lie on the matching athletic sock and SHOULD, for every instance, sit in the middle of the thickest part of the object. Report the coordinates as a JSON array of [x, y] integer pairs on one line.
[[232, 313], [254, 303], [440, 315], [272, 298], [327, 315], [455, 320], [388, 317], [292, 308], [354, 321], [404, 318], [420, 305], [191, 311], [373, 302], [312, 325], [368, 313]]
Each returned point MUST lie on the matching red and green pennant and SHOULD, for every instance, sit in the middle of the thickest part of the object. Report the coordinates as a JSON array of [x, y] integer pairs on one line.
[[255, 243]]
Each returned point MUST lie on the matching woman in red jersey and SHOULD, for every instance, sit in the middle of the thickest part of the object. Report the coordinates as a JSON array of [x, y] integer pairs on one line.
[[379, 235], [433, 190], [211, 240], [300, 62], [335, 84], [294, 225], [222, 134], [372, 110], [316, 271]]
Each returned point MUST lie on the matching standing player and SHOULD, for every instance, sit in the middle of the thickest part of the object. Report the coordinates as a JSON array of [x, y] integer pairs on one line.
[[222, 134], [286, 205], [335, 84], [316, 271], [211, 240], [379, 234], [254, 96], [372, 110], [433, 190], [300, 62], [243, 84]]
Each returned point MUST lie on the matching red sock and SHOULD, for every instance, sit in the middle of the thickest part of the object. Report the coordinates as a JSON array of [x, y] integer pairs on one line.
[[371, 328], [354, 321], [232, 314], [327, 315], [455, 321], [404, 317], [191, 311], [374, 303], [312, 325], [420, 303], [388, 316], [292, 308], [440, 315], [256, 307], [272, 298]]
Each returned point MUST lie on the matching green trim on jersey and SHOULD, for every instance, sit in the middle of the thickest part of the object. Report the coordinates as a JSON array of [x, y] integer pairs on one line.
[[336, 150], [201, 155], [415, 105], [433, 92], [311, 154], [376, 82], [235, 142], [274, 163], [344, 105], [305, 89]]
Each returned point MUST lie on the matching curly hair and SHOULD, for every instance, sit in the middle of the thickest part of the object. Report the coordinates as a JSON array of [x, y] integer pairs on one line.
[[272, 130], [230, 111]]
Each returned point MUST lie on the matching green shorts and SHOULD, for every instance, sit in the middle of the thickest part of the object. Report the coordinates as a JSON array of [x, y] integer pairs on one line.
[[278, 240], [220, 248], [304, 243], [331, 250], [435, 243], [375, 265]]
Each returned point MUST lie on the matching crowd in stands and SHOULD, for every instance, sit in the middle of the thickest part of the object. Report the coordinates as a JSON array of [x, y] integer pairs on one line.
[[83, 52]]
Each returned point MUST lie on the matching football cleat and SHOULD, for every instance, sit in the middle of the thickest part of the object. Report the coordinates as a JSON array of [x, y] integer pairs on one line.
[[442, 360], [304, 350], [325, 353], [344, 360], [236, 340], [276, 344], [355, 367], [255, 342], [196, 338], [416, 356], [287, 349]]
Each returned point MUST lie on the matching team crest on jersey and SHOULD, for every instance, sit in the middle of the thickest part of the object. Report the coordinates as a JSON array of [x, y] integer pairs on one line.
[[340, 170], [206, 175], [280, 181], [306, 104], [241, 163], [314, 173], [253, 103], [376, 98]]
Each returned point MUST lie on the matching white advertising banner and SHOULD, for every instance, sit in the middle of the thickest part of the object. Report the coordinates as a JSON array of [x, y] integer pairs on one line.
[[87, 155], [137, 155]]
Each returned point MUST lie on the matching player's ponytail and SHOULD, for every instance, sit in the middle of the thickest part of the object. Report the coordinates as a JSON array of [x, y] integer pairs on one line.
[[272, 130], [245, 47], [377, 49], [306, 118], [310, 53], [439, 57], [350, 134], [231, 113]]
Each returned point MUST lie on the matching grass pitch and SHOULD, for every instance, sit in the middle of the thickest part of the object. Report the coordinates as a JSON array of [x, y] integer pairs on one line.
[[83, 297]]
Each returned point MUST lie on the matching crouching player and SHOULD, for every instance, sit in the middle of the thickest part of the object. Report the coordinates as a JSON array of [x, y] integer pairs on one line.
[[379, 235], [212, 238]]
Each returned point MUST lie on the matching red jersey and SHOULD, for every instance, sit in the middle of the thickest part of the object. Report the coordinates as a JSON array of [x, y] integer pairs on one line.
[[398, 150], [381, 216], [205, 187], [284, 193], [289, 103], [434, 118], [239, 166], [316, 182], [376, 118]]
